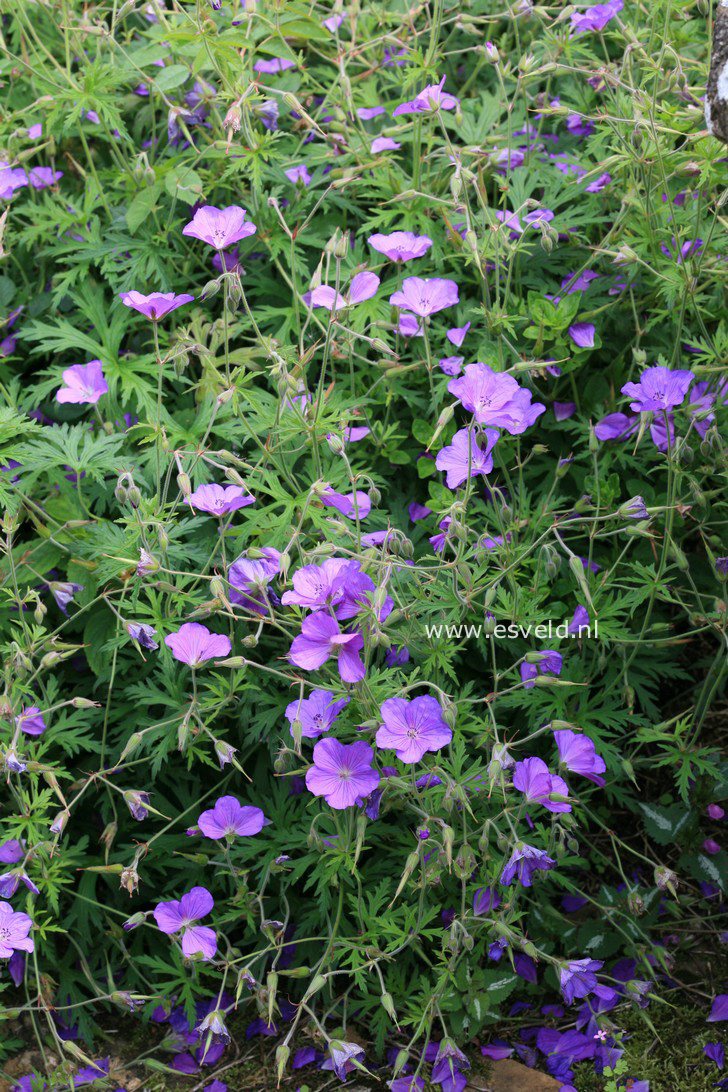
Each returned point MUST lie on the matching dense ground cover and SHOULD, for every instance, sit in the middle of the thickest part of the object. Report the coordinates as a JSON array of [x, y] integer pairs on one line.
[[364, 544]]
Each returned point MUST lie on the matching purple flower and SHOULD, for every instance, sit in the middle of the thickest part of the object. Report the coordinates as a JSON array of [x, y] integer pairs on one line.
[[456, 336], [11, 851], [596, 17], [276, 64], [84, 384], [524, 861], [395, 656], [711, 846], [401, 246], [615, 426], [658, 389], [63, 592], [495, 398], [342, 1052], [156, 305], [137, 804], [634, 508], [599, 183], [41, 178], [578, 754], [497, 1050], [451, 365], [409, 325], [349, 504], [249, 577], [577, 978], [533, 778], [425, 297], [332, 24], [564, 410], [193, 644], [582, 335], [171, 917], [146, 564], [549, 664], [719, 1009], [14, 929], [316, 713], [431, 97], [298, 174], [418, 511], [469, 451], [11, 179], [581, 620], [406, 1084], [715, 811], [721, 566], [32, 723], [228, 818], [485, 899], [321, 638], [316, 586], [366, 113], [363, 286], [219, 500], [341, 774], [16, 967], [219, 227], [384, 144], [412, 727], [716, 1053], [143, 634]]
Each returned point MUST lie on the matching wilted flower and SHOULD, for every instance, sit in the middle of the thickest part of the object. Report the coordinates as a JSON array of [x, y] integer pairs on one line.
[[193, 644], [719, 1009], [228, 818], [341, 773], [156, 305], [634, 508], [171, 917], [412, 727], [137, 803], [143, 634], [146, 564], [84, 384]]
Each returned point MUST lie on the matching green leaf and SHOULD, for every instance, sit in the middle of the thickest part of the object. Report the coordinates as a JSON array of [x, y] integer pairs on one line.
[[143, 203], [184, 184], [171, 77], [664, 824]]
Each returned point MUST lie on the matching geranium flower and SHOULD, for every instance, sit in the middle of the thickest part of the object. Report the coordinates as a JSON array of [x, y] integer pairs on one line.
[[410, 325], [31, 722], [431, 97], [344, 502], [40, 178], [332, 24], [316, 713], [11, 851], [366, 113], [425, 297], [596, 17], [171, 917], [193, 644], [316, 586], [719, 1009], [384, 144], [298, 174], [466, 453], [582, 334], [495, 398], [658, 389], [14, 929], [11, 179], [156, 305], [401, 246], [276, 64], [249, 578], [219, 500], [341, 773], [63, 592], [321, 638], [84, 384], [577, 978], [143, 634], [363, 286], [578, 754], [220, 227], [452, 365], [412, 727], [456, 336], [533, 778], [524, 861], [550, 663], [228, 818]]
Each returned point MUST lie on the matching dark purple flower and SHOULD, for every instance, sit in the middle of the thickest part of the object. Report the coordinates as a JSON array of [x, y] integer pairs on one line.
[[716, 1053], [193, 644], [495, 398], [485, 899], [219, 500], [533, 778], [564, 410], [156, 305], [321, 638], [711, 846], [143, 634], [721, 566], [341, 1052], [412, 727], [11, 851], [497, 1050], [84, 384], [137, 804], [401, 246], [425, 297], [470, 453], [549, 663], [615, 426], [341, 773], [577, 978], [219, 227], [406, 1084], [363, 286], [316, 713], [16, 967], [581, 620], [582, 334], [524, 861], [719, 1009], [658, 389], [228, 818], [171, 917], [634, 508], [14, 929]]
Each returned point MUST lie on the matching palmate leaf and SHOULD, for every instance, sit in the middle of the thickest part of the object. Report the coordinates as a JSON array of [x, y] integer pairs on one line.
[[73, 446]]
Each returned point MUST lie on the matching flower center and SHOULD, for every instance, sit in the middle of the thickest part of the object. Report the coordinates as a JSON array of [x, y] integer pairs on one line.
[[412, 733], [4, 934]]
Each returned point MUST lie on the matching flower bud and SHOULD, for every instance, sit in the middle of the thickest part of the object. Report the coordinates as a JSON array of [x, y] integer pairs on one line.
[[232, 118], [135, 497], [184, 484], [491, 53]]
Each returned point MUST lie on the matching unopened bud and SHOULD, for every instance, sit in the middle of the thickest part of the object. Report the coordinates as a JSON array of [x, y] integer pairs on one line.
[[184, 484]]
